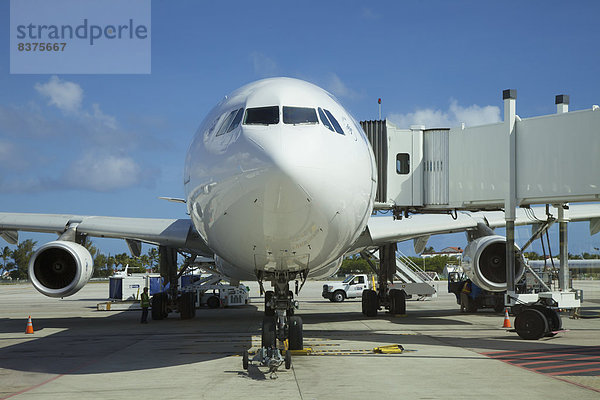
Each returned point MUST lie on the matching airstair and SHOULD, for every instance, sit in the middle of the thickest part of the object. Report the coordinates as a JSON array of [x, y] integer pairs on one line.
[[410, 277]]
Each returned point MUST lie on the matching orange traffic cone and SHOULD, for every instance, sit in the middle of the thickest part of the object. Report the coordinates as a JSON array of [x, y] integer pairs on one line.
[[506, 319], [29, 328]]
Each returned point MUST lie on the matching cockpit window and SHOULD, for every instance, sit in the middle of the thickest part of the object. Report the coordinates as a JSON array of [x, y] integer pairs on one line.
[[334, 122], [324, 120], [262, 116], [226, 122], [299, 115], [236, 121]]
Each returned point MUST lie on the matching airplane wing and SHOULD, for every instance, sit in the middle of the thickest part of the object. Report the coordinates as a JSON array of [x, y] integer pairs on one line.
[[381, 230], [177, 233]]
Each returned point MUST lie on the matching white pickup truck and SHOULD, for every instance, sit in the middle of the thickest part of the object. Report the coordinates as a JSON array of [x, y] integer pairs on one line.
[[349, 288]]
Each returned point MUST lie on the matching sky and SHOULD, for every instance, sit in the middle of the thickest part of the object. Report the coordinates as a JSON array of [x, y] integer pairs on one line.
[[111, 144]]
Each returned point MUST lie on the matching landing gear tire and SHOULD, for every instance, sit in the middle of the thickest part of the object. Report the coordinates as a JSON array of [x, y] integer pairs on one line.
[[268, 310], [295, 339], [269, 333], [187, 305], [159, 306], [245, 360], [288, 359], [370, 303], [531, 324], [213, 302], [397, 302], [338, 296]]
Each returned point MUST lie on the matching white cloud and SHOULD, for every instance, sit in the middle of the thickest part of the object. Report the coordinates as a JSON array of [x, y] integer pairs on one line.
[[263, 65], [340, 89], [67, 96], [103, 173], [455, 115]]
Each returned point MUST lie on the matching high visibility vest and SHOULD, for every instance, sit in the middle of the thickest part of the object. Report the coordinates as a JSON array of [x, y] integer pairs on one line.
[[145, 301]]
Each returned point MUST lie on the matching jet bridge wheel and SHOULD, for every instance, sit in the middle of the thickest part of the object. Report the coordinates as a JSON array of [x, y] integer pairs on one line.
[[160, 302], [397, 302], [370, 303], [554, 321], [269, 332], [187, 305], [531, 324], [296, 339]]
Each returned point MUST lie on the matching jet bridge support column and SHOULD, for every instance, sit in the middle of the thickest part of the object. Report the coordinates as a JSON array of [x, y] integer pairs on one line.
[[563, 274], [562, 106], [510, 99]]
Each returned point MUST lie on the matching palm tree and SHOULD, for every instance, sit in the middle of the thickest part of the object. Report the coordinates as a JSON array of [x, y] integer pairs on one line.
[[5, 254]]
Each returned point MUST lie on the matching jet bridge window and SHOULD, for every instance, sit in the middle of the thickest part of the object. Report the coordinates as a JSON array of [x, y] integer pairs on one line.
[[403, 163], [299, 115], [262, 116], [334, 122]]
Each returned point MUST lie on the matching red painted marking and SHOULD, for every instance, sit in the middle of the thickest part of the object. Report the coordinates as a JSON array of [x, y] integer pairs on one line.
[[573, 371], [79, 367], [565, 366], [537, 362], [33, 387]]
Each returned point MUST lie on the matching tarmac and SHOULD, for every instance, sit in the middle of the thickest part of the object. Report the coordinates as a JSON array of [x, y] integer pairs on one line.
[[78, 352]]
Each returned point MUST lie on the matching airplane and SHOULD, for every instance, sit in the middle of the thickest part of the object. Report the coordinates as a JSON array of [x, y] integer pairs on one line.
[[280, 184]]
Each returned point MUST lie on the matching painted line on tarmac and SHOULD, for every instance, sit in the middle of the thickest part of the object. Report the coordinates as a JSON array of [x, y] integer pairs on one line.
[[565, 361]]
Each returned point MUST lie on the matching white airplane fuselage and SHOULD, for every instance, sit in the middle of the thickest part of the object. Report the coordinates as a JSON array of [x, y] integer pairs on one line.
[[274, 184]]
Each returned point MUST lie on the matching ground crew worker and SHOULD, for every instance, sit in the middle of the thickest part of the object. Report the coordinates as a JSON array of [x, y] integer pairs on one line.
[[145, 303]]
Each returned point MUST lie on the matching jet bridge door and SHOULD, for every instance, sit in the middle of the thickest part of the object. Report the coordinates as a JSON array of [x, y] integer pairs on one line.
[[399, 158], [405, 166]]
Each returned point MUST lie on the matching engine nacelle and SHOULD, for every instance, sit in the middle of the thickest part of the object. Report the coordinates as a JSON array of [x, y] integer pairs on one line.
[[60, 268], [484, 262]]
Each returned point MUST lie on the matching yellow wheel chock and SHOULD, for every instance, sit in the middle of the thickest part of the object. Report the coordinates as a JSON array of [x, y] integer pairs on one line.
[[391, 349]]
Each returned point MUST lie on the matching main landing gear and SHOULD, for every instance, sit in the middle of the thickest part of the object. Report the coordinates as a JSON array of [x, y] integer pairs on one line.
[[393, 300], [281, 329]]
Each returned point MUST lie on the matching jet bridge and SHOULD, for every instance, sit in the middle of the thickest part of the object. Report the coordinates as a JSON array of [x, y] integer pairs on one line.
[[550, 159], [554, 159]]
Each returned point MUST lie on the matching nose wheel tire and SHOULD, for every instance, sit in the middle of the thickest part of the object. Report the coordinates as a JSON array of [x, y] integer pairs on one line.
[[268, 310], [269, 332], [245, 360], [288, 360], [296, 339]]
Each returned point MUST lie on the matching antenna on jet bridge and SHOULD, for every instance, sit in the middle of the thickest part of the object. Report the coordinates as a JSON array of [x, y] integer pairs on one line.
[[379, 104]]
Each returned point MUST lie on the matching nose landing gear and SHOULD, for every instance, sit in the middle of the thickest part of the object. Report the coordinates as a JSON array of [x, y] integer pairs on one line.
[[281, 329]]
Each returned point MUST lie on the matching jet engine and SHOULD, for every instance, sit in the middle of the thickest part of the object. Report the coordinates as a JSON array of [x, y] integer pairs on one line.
[[484, 263], [60, 268]]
